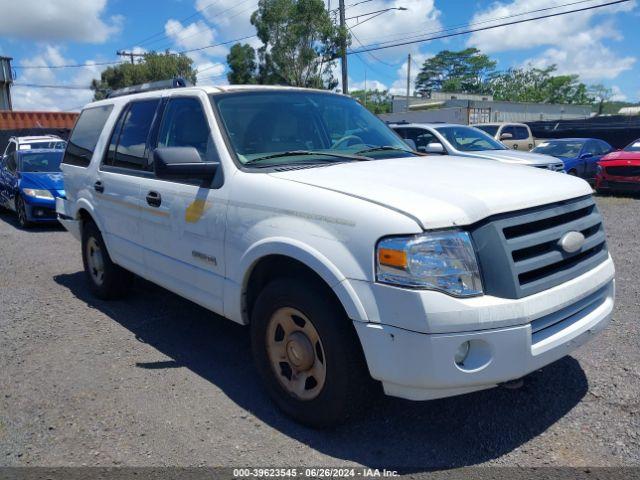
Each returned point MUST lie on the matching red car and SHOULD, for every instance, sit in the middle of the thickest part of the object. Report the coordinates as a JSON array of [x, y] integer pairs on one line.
[[620, 171]]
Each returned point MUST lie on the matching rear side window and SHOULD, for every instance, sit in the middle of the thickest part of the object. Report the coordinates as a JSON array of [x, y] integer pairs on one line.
[[521, 133], [85, 135], [128, 147]]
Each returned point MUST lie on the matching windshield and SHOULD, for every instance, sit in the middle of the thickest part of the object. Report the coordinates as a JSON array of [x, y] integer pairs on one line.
[[41, 162], [633, 147], [560, 149], [285, 127], [468, 139], [490, 129]]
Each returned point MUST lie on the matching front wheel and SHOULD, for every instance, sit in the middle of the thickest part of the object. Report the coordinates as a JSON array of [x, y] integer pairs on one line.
[[21, 210], [307, 353], [106, 279]]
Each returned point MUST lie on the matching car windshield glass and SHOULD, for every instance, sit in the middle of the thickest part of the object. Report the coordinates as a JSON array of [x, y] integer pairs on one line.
[[468, 139], [634, 147], [277, 124], [560, 149], [490, 129], [41, 162]]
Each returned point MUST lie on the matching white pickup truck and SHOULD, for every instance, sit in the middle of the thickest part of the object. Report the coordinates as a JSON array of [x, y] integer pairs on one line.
[[355, 261]]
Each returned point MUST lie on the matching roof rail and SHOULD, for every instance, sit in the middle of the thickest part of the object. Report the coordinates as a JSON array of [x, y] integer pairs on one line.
[[177, 82]]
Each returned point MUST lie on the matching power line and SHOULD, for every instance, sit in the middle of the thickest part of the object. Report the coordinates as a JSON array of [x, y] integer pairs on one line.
[[481, 22], [382, 46], [78, 65], [182, 38], [189, 17]]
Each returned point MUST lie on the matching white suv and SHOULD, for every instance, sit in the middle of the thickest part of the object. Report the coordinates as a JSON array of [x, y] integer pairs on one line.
[[300, 214]]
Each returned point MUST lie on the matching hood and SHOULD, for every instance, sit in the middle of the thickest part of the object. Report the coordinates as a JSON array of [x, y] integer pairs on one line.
[[514, 156], [623, 157], [441, 192], [43, 181]]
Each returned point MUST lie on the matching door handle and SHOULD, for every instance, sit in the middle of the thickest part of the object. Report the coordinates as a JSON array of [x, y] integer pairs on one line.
[[154, 199], [98, 186]]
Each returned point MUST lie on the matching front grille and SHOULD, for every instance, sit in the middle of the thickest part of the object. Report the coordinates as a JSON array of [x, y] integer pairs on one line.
[[556, 167], [624, 171], [520, 254]]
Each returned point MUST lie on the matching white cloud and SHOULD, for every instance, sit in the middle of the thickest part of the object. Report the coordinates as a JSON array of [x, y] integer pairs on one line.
[[230, 17], [195, 36], [370, 85], [55, 20], [420, 18], [33, 98], [618, 94], [399, 87], [575, 41]]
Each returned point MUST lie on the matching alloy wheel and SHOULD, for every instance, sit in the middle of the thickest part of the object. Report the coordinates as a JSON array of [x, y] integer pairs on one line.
[[296, 353], [95, 261]]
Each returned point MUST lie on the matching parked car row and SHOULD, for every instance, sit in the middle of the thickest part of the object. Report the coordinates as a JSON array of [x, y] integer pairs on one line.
[[589, 158]]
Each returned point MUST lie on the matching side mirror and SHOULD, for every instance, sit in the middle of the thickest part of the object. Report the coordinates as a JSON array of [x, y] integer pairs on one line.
[[411, 143], [506, 136], [181, 162], [435, 147], [586, 155]]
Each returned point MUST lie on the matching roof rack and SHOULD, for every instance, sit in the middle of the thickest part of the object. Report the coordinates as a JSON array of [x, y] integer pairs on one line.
[[178, 82]]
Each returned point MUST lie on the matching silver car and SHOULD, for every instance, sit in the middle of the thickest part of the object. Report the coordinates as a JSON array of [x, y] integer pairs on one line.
[[464, 141]]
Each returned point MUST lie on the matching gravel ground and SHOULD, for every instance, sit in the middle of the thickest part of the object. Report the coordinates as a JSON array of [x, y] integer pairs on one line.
[[156, 380]]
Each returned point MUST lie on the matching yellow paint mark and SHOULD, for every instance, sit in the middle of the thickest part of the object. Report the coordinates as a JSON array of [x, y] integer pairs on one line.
[[194, 212]]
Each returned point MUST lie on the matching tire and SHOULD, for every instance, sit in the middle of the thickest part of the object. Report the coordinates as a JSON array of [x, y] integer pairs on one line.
[[106, 279], [573, 173], [324, 400], [21, 211]]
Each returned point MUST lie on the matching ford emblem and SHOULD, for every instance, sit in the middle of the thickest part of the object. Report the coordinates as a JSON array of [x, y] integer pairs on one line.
[[571, 242]]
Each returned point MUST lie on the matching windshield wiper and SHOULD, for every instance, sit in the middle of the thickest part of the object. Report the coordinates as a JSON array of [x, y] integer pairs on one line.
[[296, 153], [382, 148]]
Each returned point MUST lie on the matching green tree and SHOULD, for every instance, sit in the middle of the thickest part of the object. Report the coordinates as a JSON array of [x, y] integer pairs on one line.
[[299, 43], [243, 67], [462, 71], [153, 67], [377, 101], [538, 85], [600, 95]]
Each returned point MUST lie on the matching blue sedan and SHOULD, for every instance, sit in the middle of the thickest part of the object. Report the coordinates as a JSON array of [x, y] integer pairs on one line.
[[579, 155], [30, 181]]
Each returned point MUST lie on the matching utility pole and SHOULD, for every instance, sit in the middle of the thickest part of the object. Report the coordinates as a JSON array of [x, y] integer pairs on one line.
[[365, 88], [408, 78], [131, 55], [343, 50]]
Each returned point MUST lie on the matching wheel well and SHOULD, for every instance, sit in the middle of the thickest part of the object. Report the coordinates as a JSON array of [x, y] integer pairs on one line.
[[272, 267], [84, 216]]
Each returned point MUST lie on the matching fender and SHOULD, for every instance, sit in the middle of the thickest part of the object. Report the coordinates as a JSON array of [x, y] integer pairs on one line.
[[288, 247]]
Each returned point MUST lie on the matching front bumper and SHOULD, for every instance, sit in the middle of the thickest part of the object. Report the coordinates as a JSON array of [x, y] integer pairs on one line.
[[619, 184], [421, 366], [39, 210]]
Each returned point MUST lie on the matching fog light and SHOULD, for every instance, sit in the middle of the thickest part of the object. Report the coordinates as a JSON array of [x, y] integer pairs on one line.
[[461, 354]]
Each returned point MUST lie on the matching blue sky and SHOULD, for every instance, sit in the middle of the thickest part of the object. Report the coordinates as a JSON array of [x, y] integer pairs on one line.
[[600, 45]]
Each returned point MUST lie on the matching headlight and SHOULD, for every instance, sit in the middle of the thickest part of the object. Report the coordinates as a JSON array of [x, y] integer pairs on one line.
[[444, 261], [41, 194]]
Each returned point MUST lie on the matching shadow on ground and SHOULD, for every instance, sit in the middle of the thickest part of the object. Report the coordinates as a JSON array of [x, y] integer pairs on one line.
[[409, 436]]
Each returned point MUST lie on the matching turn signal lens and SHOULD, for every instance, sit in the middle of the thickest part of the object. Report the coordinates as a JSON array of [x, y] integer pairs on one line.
[[392, 258]]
